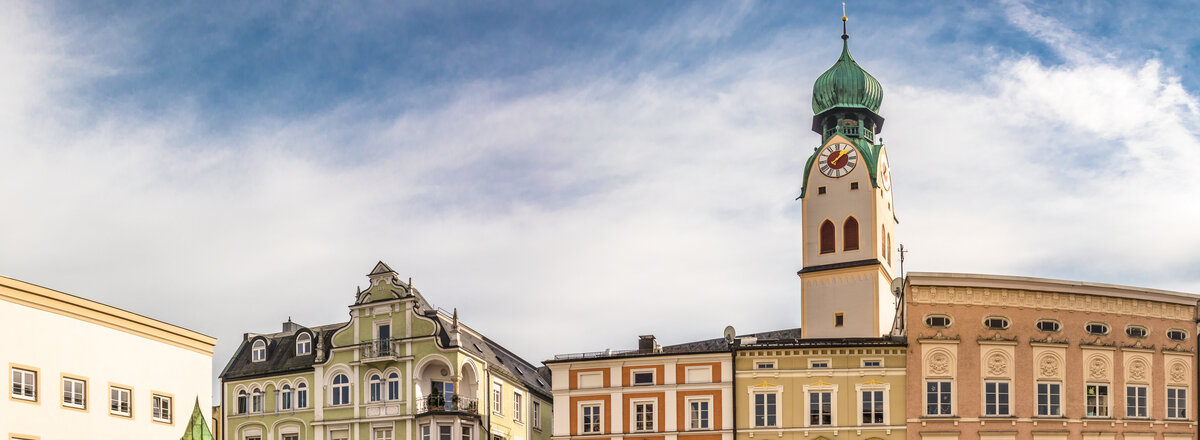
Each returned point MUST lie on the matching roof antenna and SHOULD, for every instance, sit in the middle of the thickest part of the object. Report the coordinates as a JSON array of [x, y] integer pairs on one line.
[[844, 35]]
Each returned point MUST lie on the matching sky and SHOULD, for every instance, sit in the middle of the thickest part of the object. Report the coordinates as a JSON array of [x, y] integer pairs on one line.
[[570, 175]]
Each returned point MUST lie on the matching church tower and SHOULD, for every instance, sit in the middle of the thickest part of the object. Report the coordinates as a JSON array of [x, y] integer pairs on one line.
[[846, 198]]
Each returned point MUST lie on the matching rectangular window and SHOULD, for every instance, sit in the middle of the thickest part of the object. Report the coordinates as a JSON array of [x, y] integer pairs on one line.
[[119, 401], [698, 414], [643, 416], [820, 408], [301, 396], [383, 434], [517, 406], [1097, 401], [425, 432], [764, 410], [872, 407], [839, 319], [497, 399], [938, 398], [770, 365], [995, 399], [1135, 401], [161, 409], [872, 363], [823, 363], [466, 433], [535, 414], [643, 378], [1176, 403], [24, 384], [1049, 399], [74, 393], [591, 419], [339, 435], [445, 432], [291, 437]]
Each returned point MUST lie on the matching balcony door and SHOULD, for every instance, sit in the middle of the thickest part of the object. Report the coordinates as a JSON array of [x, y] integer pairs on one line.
[[383, 339], [446, 389]]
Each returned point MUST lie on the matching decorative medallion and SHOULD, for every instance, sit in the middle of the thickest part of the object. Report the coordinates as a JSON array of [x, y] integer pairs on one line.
[[1049, 366], [996, 365], [1178, 372], [939, 364], [1137, 370], [1097, 368]]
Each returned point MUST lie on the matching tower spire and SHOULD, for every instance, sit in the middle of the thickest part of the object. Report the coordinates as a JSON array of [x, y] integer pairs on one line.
[[845, 36]]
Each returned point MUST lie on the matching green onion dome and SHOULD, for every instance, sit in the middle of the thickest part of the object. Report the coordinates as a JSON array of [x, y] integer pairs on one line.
[[846, 85]]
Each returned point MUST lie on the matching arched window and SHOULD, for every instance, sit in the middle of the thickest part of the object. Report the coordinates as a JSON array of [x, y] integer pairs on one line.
[[285, 398], [242, 399], [827, 237], [850, 235], [302, 395], [258, 352], [256, 401], [341, 390], [393, 386], [882, 244], [376, 386], [303, 344], [888, 243]]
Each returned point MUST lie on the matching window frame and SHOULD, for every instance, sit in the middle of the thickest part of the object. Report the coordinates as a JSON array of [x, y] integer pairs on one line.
[[156, 397], [518, 406], [1173, 402], [772, 364], [1145, 332], [1107, 328], [83, 394], [1132, 411], [128, 391], [1037, 395], [1005, 395], [1007, 322], [303, 348], [862, 363], [690, 417], [820, 364], [949, 320], [301, 395], [392, 382], [258, 351], [376, 388], [938, 401], [820, 392], [340, 393], [596, 419], [376, 431], [34, 373], [633, 374], [771, 409], [286, 393], [1185, 334], [498, 398], [649, 423], [1107, 407], [535, 414], [258, 401], [884, 410], [1057, 325]]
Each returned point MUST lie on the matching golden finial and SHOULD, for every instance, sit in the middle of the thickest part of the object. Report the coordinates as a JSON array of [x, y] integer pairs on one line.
[[844, 36]]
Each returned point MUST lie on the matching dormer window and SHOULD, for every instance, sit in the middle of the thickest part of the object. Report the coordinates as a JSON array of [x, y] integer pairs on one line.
[[258, 351], [303, 344]]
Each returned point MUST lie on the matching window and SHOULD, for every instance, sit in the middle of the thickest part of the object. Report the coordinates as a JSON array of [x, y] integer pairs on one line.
[[853, 185], [303, 344], [74, 393], [820, 408], [256, 401], [820, 190], [517, 406], [1135, 331], [643, 416], [938, 398], [383, 434], [1047, 325], [302, 395], [1097, 401], [995, 323], [161, 409], [764, 410], [887, 241], [497, 399], [818, 363], [1135, 401], [291, 436], [872, 363], [850, 234], [341, 390], [1177, 335], [393, 385], [937, 321], [995, 399], [242, 400], [591, 419], [1049, 399], [698, 412], [285, 398], [643, 377], [764, 365], [425, 432], [375, 384], [827, 236], [465, 433], [872, 407], [1176, 403], [119, 401], [535, 414], [258, 352], [839, 319], [24, 384], [1096, 328], [445, 432]]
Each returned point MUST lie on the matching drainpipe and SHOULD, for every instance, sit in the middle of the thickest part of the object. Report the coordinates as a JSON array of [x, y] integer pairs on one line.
[[733, 387], [1194, 359], [221, 416], [488, 409]]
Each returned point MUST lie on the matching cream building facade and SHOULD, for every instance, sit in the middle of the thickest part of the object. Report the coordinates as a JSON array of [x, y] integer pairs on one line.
[[81, 369]]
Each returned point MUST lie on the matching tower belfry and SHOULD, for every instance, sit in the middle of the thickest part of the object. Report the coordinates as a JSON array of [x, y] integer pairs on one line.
[[846, 200]]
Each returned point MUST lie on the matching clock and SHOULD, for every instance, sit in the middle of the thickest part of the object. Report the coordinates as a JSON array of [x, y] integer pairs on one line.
[[837, 160], [885, 174]]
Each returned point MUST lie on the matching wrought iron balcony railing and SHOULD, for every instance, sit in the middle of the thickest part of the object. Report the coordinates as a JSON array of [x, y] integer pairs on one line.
[[455, 403], [378, 348]]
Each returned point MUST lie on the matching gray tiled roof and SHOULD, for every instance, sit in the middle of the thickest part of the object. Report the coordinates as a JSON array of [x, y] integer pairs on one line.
[[281, 353]]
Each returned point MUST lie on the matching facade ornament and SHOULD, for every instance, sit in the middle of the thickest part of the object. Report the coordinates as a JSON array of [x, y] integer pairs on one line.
[[1178, 372], [320, 349], [1137, 370], [939, 364], [1049, 366], [997, 366], [1097, 368]]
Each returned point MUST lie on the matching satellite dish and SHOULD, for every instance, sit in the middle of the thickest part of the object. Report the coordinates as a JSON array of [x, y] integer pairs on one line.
[[729, 334], [897, 286]]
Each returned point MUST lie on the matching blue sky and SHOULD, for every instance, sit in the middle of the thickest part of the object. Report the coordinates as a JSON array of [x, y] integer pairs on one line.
[[604, 169]]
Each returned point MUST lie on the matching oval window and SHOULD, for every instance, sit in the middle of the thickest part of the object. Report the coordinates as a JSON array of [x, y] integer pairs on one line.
[[995, 323], [1047, 325], [1096, 328], [938, 321], [1177, 335], [1135, 331]]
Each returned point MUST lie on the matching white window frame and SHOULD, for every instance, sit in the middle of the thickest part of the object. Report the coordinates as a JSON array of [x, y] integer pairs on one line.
[[599, 417], [633, 375], [303, 347], [121, 391], [518, 402], [466, 432], [425, 432], [887, 396], [1107, 400], [258, 351], [816, 364], [376, 433], [863, 363], [1037, 396], [376, 388], [388, 382], [754, 392], [258, 401], [289, 436], [299, 390], [766, 365], [809, 391], [1173, 405], [535, 414], [650, 424], [689, 417], [27, 376], [334, 390], [158, 410], [1007, 394], [1145, 409], [498, 398], [953, 397], [69, 385], [449, 431], [286, 393]]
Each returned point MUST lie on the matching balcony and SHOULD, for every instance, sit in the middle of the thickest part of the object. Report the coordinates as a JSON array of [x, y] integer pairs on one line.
[[439, 404], [850, 131], [378, 350]]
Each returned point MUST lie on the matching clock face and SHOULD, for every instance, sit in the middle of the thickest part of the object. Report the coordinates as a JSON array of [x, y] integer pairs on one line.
[[885, 174], [837, 160]]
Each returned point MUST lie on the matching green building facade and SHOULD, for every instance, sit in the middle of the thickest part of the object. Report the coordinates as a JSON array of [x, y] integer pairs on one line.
[[399, 369]]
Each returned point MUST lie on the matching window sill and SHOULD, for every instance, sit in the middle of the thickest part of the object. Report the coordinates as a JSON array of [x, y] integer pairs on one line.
[[1003, 417]]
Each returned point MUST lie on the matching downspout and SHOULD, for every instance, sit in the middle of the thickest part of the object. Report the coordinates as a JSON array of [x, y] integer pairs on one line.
[[733, 388], [487, 391], [1196, 318], [221, 415]]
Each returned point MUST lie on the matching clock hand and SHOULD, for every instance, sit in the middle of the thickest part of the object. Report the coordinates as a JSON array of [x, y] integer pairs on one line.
[[839, 155]]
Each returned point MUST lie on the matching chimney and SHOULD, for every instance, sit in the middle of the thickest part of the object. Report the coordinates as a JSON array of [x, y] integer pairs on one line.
[[646, 344], [290, 326]]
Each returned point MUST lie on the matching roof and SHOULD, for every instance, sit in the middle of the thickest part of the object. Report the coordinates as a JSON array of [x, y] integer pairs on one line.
[[505, 363], [846, 84], [197, 427], [281, 353], [796, 342], [1049, 285], [715, 345]]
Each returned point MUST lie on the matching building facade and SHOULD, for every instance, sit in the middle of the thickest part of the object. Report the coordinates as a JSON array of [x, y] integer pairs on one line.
[[398, 369], [81, 369], [996, 357]]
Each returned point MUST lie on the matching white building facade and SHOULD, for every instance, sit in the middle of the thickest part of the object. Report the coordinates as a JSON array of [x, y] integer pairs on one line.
[[80, 369]]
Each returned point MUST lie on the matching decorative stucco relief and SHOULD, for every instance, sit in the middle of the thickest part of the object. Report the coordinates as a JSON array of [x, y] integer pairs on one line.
[[1052, 300], [1048, 367]]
